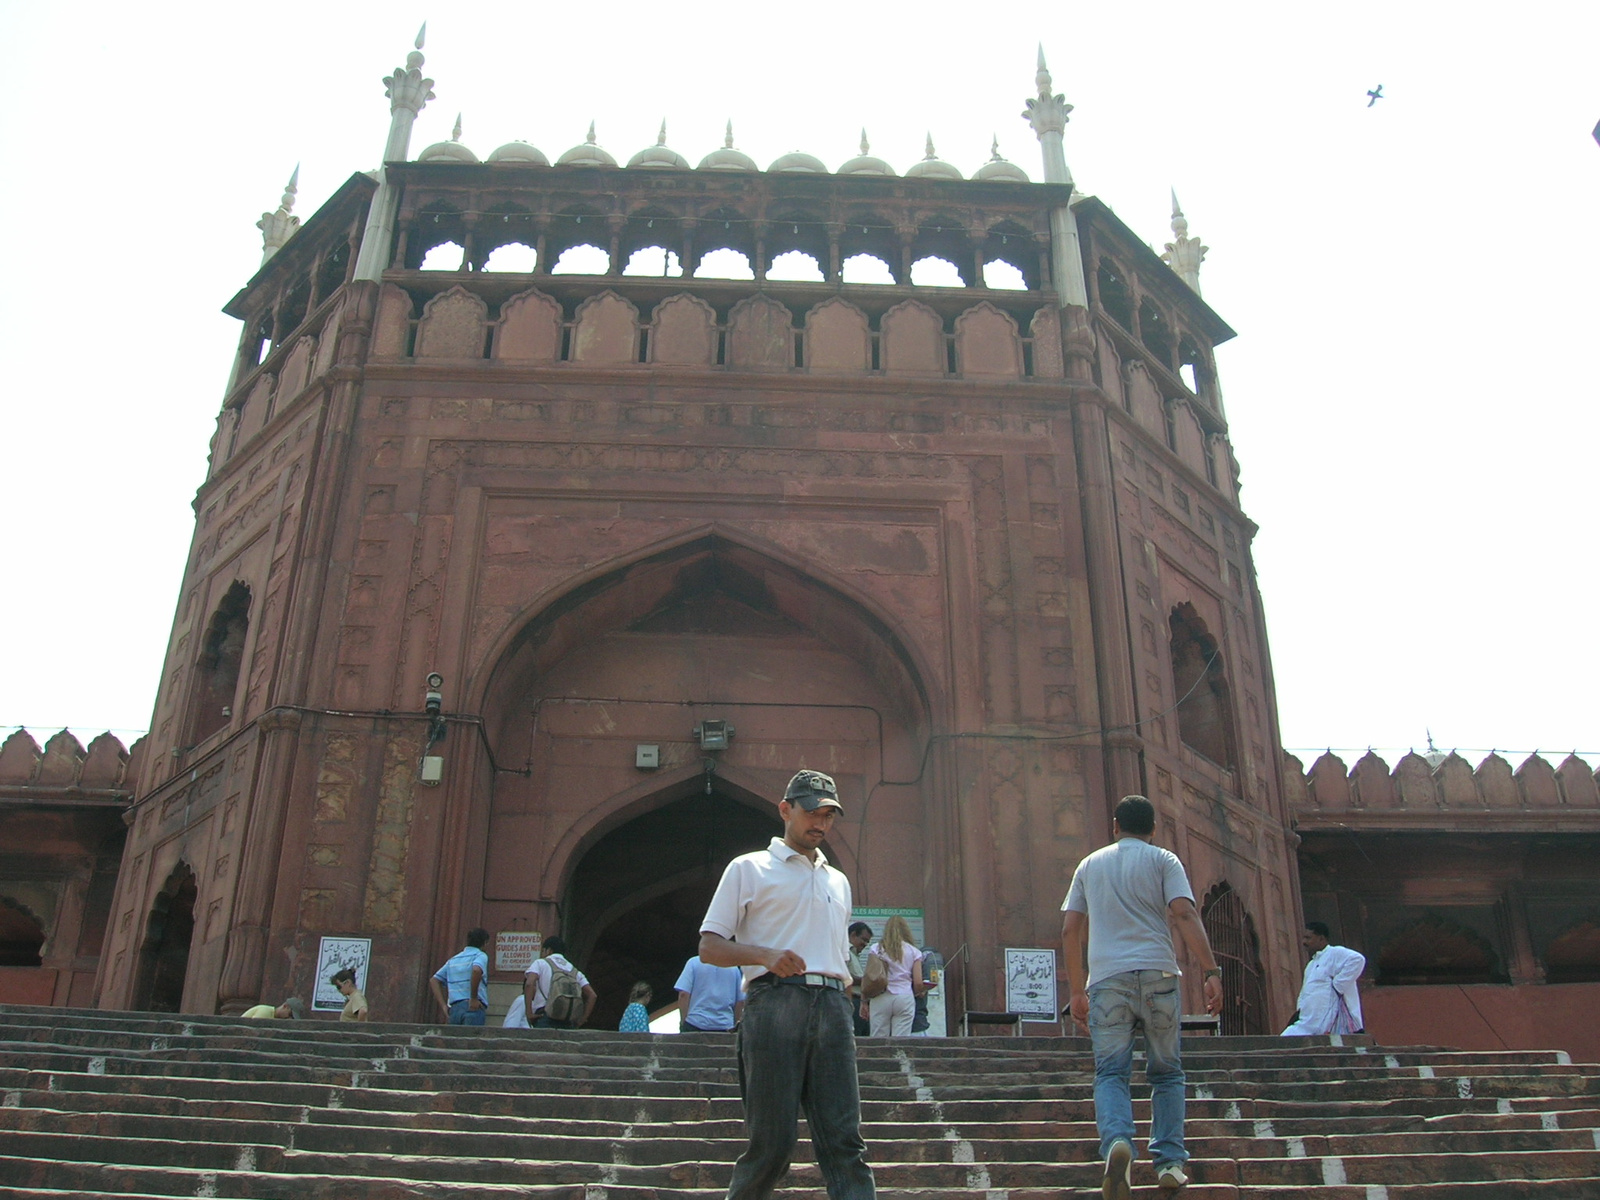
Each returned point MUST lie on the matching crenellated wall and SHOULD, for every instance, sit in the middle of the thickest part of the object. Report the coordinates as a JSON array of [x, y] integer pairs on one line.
[[1468, 889], [61, 840]]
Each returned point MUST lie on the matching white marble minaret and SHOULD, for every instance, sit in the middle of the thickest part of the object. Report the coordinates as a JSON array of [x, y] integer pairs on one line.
[[408, 92]]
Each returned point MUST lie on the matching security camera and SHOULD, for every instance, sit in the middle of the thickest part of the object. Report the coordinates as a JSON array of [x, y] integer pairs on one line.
[[433, 700]]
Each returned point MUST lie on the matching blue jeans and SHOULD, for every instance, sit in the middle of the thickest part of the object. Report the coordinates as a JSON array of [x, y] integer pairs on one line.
[[797, 1049], [461, 1013], [1116, 1005]]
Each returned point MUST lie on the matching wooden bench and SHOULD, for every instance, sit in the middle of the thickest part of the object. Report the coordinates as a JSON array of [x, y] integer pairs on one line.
[[969, 1019]]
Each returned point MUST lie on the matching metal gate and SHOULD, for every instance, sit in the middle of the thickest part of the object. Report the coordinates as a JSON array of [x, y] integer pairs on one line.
[[1238, 952]]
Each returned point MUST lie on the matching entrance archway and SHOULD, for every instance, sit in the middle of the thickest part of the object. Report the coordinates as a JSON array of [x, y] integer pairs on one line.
[[638, 895], [164, 957]]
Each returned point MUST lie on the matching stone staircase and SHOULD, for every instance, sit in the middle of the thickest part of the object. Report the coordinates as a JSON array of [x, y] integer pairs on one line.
[[135, 1105]]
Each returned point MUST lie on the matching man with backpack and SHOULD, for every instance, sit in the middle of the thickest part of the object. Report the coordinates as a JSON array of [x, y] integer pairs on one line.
[[556, 995]]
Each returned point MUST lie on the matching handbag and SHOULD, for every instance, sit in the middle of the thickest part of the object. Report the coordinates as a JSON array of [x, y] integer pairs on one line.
[[875, 978]]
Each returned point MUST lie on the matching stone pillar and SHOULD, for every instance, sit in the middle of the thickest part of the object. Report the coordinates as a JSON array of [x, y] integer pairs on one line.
[[244, 964], [1123, 744]]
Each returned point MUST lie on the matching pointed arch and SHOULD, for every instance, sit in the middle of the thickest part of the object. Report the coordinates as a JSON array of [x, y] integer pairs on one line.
[[1200, 683], [1232, 933], [216, 680]]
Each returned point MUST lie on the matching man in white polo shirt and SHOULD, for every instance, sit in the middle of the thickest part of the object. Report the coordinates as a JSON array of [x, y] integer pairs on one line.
[[782, 914]]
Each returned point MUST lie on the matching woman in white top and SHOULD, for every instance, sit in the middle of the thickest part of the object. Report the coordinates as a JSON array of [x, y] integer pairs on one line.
[[893, 1009]]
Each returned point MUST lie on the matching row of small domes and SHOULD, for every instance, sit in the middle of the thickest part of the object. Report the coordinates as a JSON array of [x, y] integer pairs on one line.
[[589, 154]]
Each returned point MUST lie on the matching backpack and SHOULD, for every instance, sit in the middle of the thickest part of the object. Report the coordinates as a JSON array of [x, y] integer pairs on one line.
[[564, 1001]]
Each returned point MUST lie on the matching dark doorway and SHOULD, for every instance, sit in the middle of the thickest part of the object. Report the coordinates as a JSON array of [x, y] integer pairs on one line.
[[637, 896], [21, 936], [164, 957]]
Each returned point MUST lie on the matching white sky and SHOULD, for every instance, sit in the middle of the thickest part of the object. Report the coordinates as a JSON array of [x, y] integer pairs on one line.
[[1413, 394]]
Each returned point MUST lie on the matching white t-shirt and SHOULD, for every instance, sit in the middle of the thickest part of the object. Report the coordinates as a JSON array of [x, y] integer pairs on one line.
[[517, 1015], [1125, 889], [900, 973], [779, 898]]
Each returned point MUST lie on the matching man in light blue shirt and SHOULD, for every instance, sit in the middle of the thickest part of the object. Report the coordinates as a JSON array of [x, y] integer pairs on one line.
[[709, 998], [466, 976]]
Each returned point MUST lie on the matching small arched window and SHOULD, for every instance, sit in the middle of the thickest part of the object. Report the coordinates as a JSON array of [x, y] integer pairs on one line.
[[1205, 709], [1115, 296], [217, 671], [1435, 950]]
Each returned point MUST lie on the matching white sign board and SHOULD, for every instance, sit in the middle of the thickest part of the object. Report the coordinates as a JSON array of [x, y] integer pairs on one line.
[[1031, 984], [515, 949], [335, 955]]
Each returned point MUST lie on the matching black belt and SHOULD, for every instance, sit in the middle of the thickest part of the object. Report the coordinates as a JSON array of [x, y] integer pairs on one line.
[[811, 980]]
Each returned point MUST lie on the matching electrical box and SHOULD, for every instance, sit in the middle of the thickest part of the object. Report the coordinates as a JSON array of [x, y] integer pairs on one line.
[[647, 758], [432, 770]]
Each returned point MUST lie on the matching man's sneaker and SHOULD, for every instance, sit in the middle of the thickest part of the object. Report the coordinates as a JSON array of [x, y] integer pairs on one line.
[[1118, 1159], [1171, 1177]]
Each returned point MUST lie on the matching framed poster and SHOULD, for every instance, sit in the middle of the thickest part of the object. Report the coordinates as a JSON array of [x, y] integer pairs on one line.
[[1031, 984], [336, 954]]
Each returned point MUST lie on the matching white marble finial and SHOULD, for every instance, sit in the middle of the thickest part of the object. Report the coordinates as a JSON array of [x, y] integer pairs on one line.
[[414, 60], [661, 138], [866, 147], [1184, 254], [928, 154], [590, 139], [455, 134], [422, 35], [278, 227], [1047, 113], [994, 149], [727, 140]]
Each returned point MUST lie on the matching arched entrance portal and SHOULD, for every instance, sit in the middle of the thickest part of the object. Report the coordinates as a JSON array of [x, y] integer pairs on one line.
[[607, 833], [164, 957], [637, 896]]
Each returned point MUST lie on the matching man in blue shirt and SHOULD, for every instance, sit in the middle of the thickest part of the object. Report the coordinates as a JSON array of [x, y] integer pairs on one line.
[[709, 998], [466, 976]]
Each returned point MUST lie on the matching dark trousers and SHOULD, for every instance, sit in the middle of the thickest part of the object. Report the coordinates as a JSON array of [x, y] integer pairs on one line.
[[797, 1050]]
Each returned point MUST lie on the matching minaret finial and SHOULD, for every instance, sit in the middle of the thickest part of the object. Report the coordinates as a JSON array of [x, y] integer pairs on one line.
[[1041, 78], [866, 147], [590, 139], [929, 155], [455, 134], [408, 92], [994, 149], [727, 141], [278, 227], [1184, 254], [661, 138]]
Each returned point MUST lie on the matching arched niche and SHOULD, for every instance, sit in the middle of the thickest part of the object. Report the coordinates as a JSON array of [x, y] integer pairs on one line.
[[636, 654]]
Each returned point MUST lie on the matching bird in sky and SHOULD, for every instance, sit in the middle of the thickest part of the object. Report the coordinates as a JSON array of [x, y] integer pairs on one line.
[[1375, 95]]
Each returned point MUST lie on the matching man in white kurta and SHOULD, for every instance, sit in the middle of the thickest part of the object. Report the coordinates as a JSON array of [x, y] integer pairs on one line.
[[1330, 1002]]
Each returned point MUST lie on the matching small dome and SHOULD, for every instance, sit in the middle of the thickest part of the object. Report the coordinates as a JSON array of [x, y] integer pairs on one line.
[[659, 155], [799, 163], [586, 154], [998, 168], [727, 158], [933, 167], [451, 151], [447, 152], [864, 163], [519, 152]]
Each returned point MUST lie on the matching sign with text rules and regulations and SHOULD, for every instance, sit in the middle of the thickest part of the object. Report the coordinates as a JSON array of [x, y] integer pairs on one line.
[[1031, 984]]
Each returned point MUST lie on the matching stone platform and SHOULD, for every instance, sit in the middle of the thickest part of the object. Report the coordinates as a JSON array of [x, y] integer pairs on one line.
[[135, 1105]]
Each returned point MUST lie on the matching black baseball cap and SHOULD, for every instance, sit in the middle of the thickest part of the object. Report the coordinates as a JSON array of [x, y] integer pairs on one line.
[[811, 790]]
